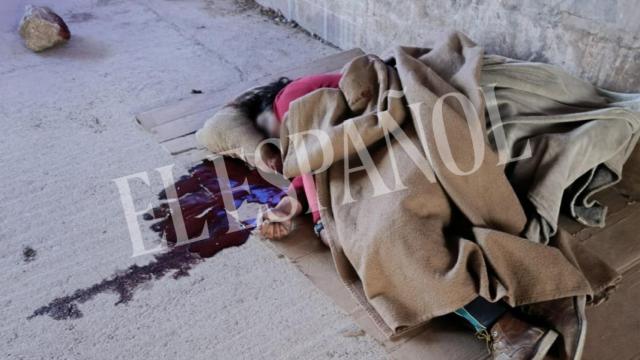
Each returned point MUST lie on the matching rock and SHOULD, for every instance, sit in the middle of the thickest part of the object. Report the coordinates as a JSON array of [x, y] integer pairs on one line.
[[28, 254], [41, 28], [352, 331]]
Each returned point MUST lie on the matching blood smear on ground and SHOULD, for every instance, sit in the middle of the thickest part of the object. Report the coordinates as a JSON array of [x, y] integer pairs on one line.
[[202, 203]]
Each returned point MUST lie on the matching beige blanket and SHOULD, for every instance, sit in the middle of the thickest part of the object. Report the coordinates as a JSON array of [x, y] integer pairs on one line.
[[416, 236], [580, 137]]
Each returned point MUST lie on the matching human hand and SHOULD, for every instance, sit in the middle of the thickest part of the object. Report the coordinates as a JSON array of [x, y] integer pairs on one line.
[[274, 224]]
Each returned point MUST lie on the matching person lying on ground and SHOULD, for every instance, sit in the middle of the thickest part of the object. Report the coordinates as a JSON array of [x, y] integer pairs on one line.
[[505, 329], [267, 106]]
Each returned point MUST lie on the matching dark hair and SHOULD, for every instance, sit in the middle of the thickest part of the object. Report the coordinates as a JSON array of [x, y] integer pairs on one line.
[[256, 100]]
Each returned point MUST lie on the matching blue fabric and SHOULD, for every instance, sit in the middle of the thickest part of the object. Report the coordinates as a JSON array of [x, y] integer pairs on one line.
[[318, 227], [482, 314]]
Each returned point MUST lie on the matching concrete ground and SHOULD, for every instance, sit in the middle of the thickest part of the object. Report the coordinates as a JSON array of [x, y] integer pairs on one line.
[[68, 131]]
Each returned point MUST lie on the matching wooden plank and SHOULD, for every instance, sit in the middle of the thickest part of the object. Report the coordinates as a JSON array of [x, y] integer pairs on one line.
[[181, 145], [618, 243], [188, 158], [161, 115], [183, 126], [303, 248], [613, 328], [301, 242]]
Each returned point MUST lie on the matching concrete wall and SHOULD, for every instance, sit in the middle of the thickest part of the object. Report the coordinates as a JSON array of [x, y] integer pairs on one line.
[[594, 39]]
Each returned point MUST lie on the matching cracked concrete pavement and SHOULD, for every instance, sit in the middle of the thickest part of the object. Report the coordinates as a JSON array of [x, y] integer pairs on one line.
[[67, 116]]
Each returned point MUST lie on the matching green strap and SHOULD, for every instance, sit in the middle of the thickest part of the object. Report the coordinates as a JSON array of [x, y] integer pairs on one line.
[[462, 312]]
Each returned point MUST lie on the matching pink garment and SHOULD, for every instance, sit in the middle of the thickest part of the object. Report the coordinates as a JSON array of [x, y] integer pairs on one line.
[[304, 185], [301, 87]]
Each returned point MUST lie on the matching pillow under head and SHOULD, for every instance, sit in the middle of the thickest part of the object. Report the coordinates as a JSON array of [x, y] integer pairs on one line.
[[232, 132]]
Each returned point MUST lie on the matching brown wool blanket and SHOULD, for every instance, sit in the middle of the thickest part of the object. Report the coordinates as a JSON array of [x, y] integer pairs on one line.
[[415, 236]]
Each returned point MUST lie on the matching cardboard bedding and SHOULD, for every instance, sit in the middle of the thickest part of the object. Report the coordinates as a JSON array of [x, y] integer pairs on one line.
[[424, 251]]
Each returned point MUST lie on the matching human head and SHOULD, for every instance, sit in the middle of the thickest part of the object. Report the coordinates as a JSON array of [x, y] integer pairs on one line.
[[257, 104]]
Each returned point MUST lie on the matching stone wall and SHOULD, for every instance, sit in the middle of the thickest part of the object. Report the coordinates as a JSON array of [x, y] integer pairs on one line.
[[594, 39]]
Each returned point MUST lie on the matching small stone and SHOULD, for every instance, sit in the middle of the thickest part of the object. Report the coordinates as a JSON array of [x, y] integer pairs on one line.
[[352, 331], [28, 254], [41, 28]]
